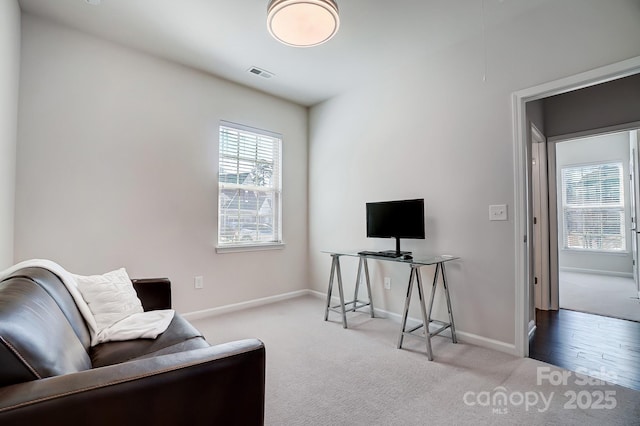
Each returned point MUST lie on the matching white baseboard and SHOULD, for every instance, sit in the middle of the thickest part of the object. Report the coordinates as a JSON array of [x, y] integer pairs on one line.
[[597, 272], [463, 336], [243, 305]]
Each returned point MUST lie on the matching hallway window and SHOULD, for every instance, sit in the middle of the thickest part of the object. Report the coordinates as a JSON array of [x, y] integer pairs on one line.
[[593, 207]]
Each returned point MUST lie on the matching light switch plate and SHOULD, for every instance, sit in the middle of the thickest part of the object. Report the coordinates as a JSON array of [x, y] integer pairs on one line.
[[498, 212]]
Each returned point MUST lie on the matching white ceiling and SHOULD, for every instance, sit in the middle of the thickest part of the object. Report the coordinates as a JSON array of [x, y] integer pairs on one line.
[[227, 37]]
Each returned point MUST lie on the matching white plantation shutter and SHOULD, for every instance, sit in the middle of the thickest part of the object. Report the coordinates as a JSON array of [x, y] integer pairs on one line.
[[249, 186], [593, 207]]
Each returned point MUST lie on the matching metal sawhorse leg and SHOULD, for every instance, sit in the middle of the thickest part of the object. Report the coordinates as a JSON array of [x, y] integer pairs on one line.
[[357, 303], [426, 313]]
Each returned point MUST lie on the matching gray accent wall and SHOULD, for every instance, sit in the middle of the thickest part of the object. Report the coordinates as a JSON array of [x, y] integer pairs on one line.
[[535, 114], [9, 81], [604, 105]]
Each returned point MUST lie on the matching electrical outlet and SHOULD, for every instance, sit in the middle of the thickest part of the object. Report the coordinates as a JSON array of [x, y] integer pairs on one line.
[[387, 283], [198, 282]]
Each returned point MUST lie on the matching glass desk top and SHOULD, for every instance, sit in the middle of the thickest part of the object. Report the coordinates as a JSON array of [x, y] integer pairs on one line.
[[419, 260]]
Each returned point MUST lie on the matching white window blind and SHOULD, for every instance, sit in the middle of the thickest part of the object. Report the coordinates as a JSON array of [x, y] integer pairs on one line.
[[593, 207], [249, 186]]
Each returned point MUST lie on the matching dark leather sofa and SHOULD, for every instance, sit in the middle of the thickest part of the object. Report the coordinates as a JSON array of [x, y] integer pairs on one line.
[[50, 375]]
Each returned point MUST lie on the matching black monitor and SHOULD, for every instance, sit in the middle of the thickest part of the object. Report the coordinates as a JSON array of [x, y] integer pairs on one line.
[[396, 219]]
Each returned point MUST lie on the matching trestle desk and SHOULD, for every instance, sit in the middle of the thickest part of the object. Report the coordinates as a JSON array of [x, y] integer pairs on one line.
[[414, 277]]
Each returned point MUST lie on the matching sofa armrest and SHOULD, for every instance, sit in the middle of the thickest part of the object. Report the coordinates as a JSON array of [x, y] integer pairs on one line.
[[154, 293], [222, 384]]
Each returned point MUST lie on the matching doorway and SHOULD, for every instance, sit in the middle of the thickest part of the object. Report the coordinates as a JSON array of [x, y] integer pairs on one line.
[[522, 180], [593, 191], [596, 237]]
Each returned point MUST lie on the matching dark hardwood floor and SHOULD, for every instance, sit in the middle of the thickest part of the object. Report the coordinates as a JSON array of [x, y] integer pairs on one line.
[[578, 341]]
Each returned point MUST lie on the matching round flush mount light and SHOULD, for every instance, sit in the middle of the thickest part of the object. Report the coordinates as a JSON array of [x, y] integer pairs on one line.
[[303, 23]]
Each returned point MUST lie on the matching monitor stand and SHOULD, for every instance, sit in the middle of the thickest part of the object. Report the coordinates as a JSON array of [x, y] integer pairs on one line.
[[397, 251]]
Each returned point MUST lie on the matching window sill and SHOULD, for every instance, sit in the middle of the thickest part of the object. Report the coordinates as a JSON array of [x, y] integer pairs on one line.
[[249, 247], [596, 252]]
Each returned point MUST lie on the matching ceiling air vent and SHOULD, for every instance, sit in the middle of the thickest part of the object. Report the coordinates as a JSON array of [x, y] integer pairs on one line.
[[260, 72]]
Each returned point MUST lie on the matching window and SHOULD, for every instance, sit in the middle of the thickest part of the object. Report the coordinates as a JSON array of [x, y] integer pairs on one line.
[[593, 207], [249, 187]]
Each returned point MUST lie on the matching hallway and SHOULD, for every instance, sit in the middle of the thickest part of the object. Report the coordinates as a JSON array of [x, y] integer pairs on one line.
[[601, 346]]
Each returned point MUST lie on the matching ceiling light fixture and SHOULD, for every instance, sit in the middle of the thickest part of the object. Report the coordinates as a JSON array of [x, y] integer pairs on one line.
[[302, 23]]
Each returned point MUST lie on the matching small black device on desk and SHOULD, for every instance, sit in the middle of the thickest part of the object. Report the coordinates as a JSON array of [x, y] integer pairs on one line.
[[391, 254]]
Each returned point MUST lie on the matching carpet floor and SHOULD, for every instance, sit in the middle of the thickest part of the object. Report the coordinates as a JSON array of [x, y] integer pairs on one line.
[[321, 374], [606, 295]]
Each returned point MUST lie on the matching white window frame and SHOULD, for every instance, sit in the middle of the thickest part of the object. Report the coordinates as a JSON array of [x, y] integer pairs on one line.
[[595, 205], [241, 149]]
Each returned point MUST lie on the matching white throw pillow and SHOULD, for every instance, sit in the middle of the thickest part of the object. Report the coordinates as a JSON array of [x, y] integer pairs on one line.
[[111, 297]]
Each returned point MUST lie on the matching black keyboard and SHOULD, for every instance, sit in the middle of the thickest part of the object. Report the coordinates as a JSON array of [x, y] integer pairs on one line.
[[379, 254]]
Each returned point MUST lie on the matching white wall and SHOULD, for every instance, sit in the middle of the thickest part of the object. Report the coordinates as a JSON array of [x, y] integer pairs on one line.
[[117, 166], [9, 80], [434, 129], [611, 147]]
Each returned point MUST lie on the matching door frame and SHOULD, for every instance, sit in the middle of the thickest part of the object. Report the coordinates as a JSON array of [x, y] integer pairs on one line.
[[540, 204], [522, 185], [634, 172]]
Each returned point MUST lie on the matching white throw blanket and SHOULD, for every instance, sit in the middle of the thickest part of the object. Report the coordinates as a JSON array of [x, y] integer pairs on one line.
[[140, 325]]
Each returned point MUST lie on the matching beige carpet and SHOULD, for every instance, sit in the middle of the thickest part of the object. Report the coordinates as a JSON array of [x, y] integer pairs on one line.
[[321, 374], [610, 296]]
